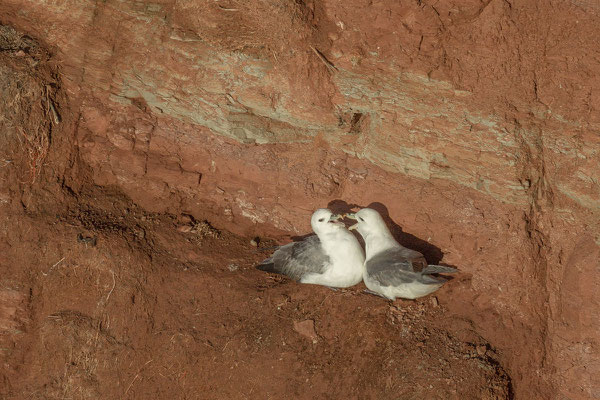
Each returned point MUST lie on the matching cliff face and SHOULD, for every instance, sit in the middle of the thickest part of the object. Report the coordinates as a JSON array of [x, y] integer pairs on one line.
[[477, 124]]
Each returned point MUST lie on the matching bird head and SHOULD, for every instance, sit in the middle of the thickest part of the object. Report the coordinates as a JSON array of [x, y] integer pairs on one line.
[[368, 222], [324, 221]]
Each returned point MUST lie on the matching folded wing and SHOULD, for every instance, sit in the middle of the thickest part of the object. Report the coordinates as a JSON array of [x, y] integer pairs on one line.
[[401, 266], [297, 258]]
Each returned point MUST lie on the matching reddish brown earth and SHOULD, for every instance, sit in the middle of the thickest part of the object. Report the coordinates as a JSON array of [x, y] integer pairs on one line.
[[475, 126], [152, 312]]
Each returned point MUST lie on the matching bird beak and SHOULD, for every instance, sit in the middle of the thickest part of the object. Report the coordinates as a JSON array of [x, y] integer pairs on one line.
[[335, 217], [351, 216]]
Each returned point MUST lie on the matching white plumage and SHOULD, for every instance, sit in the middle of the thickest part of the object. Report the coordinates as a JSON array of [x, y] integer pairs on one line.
[[391, 270], [333, 257]]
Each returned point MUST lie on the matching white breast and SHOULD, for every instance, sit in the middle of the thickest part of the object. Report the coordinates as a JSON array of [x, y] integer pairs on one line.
[[347, 258]]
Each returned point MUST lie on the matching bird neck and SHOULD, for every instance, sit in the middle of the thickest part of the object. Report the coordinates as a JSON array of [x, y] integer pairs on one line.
[[330, 238], [342, 245], [330, 234], [377, 242]]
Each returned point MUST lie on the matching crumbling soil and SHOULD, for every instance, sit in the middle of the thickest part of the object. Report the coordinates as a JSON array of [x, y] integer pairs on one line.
[[106, 301], [102, 299], [129, 132]]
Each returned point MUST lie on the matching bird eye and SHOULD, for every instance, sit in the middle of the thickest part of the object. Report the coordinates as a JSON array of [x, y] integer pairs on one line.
[[322, 219], [361, 219]]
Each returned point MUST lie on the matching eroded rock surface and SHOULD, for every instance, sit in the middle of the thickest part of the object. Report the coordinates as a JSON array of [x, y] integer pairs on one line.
[[476, 124]]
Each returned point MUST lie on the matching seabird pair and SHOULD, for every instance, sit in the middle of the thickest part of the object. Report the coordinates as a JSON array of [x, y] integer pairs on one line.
[[333, 257]]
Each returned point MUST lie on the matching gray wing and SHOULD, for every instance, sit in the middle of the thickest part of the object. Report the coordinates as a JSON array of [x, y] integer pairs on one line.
[[438, 269], [399, 266], [297, 258]]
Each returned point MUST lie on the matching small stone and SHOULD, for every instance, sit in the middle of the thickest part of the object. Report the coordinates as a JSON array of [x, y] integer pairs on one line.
[[307, 329], [87, 239], [336, 53], [233, 267], [481, 350], [254, 242], [184, 228], [185, 219], [435, 302]]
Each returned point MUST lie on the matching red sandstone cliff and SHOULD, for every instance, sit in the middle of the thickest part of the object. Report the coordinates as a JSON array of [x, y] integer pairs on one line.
[[477, 124]]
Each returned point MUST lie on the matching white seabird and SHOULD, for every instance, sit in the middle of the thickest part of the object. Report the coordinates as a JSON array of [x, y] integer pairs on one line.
[[391, 270], [333, 257]]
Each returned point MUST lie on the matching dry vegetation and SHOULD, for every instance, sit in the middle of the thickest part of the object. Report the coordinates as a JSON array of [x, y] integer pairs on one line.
[[27, 98]]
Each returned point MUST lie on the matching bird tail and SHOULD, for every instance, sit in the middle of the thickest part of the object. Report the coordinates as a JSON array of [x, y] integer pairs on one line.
[[267, 265], [432, 280], [268, 248], [438, 269]]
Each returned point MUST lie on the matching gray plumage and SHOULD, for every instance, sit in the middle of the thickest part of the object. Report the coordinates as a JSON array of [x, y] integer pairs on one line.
[[398, 266], [333, 257], [297, 259], [392, 270]]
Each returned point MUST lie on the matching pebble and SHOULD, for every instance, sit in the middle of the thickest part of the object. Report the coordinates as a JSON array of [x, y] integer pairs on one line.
[[481, 350], [184, 228], [233, 267], [306, 328], [185, 219]]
